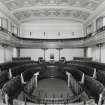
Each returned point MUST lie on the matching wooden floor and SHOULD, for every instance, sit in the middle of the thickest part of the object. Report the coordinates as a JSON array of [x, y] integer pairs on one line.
[[52, 88]]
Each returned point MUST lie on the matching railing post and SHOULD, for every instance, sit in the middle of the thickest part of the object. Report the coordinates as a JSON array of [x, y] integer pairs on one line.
[[68, 76], [36, 78], [100, 99], [82, 79], [22, 79], [95, 73], [6, 99], [10, 73], [25, 101]]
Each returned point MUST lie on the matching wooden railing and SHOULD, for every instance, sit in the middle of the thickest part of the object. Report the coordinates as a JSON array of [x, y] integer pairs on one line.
[[18, 102]]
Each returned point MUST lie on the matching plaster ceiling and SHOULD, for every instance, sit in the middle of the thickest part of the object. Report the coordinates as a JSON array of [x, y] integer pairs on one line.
[[78, 10]]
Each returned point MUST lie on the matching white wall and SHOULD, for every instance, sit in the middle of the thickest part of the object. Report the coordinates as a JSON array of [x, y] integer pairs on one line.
[[15, 52], [6, 54], [70, 53], [51, 28], [96, 54], [103, 54], [89, 52], [1, 54], [67, 53], [33, 53]]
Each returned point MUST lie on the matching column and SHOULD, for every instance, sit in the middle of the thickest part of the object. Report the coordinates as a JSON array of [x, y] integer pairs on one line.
[[89, 52], [4, 48], [4, 54], [100, 46], [36, 78], [10, 74], [59, 49], [100, 99], [6, 99], [22, 79], [82, 79], [68, 77], [44, 53], [85, 51], [95, 73], [15, 52], [18, 52], [59, 54], [100, 52]]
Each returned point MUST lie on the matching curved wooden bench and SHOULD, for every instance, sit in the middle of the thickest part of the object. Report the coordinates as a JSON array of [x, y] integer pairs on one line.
[[27, 75], [91, 86], [12, 88], [76, 73], [4, 77], [94, 87], [85, 69], [97, 65], [101, 77], [7, 65], [19, 69]]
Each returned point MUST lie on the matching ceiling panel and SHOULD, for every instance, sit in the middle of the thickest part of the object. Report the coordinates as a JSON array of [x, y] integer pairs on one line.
[[17, 8]]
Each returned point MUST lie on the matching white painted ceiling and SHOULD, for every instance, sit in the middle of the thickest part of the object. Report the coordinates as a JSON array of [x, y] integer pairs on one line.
[[78, 10]]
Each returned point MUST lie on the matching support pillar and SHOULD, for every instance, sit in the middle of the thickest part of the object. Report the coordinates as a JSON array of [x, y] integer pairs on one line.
[[59, 50], [6, 99], [36, 79], [68, 81], [95, 73], [59, 54], [22, 79], [10, 74], [4, 54], [100, 48], [85, 51], [44, 53], [100, 52], [4, 48], [82, 79], [100, 99], [15, 52], [18, 52]]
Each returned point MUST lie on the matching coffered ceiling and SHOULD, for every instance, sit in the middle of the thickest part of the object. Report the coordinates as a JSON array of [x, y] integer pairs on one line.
[[78, 10]]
